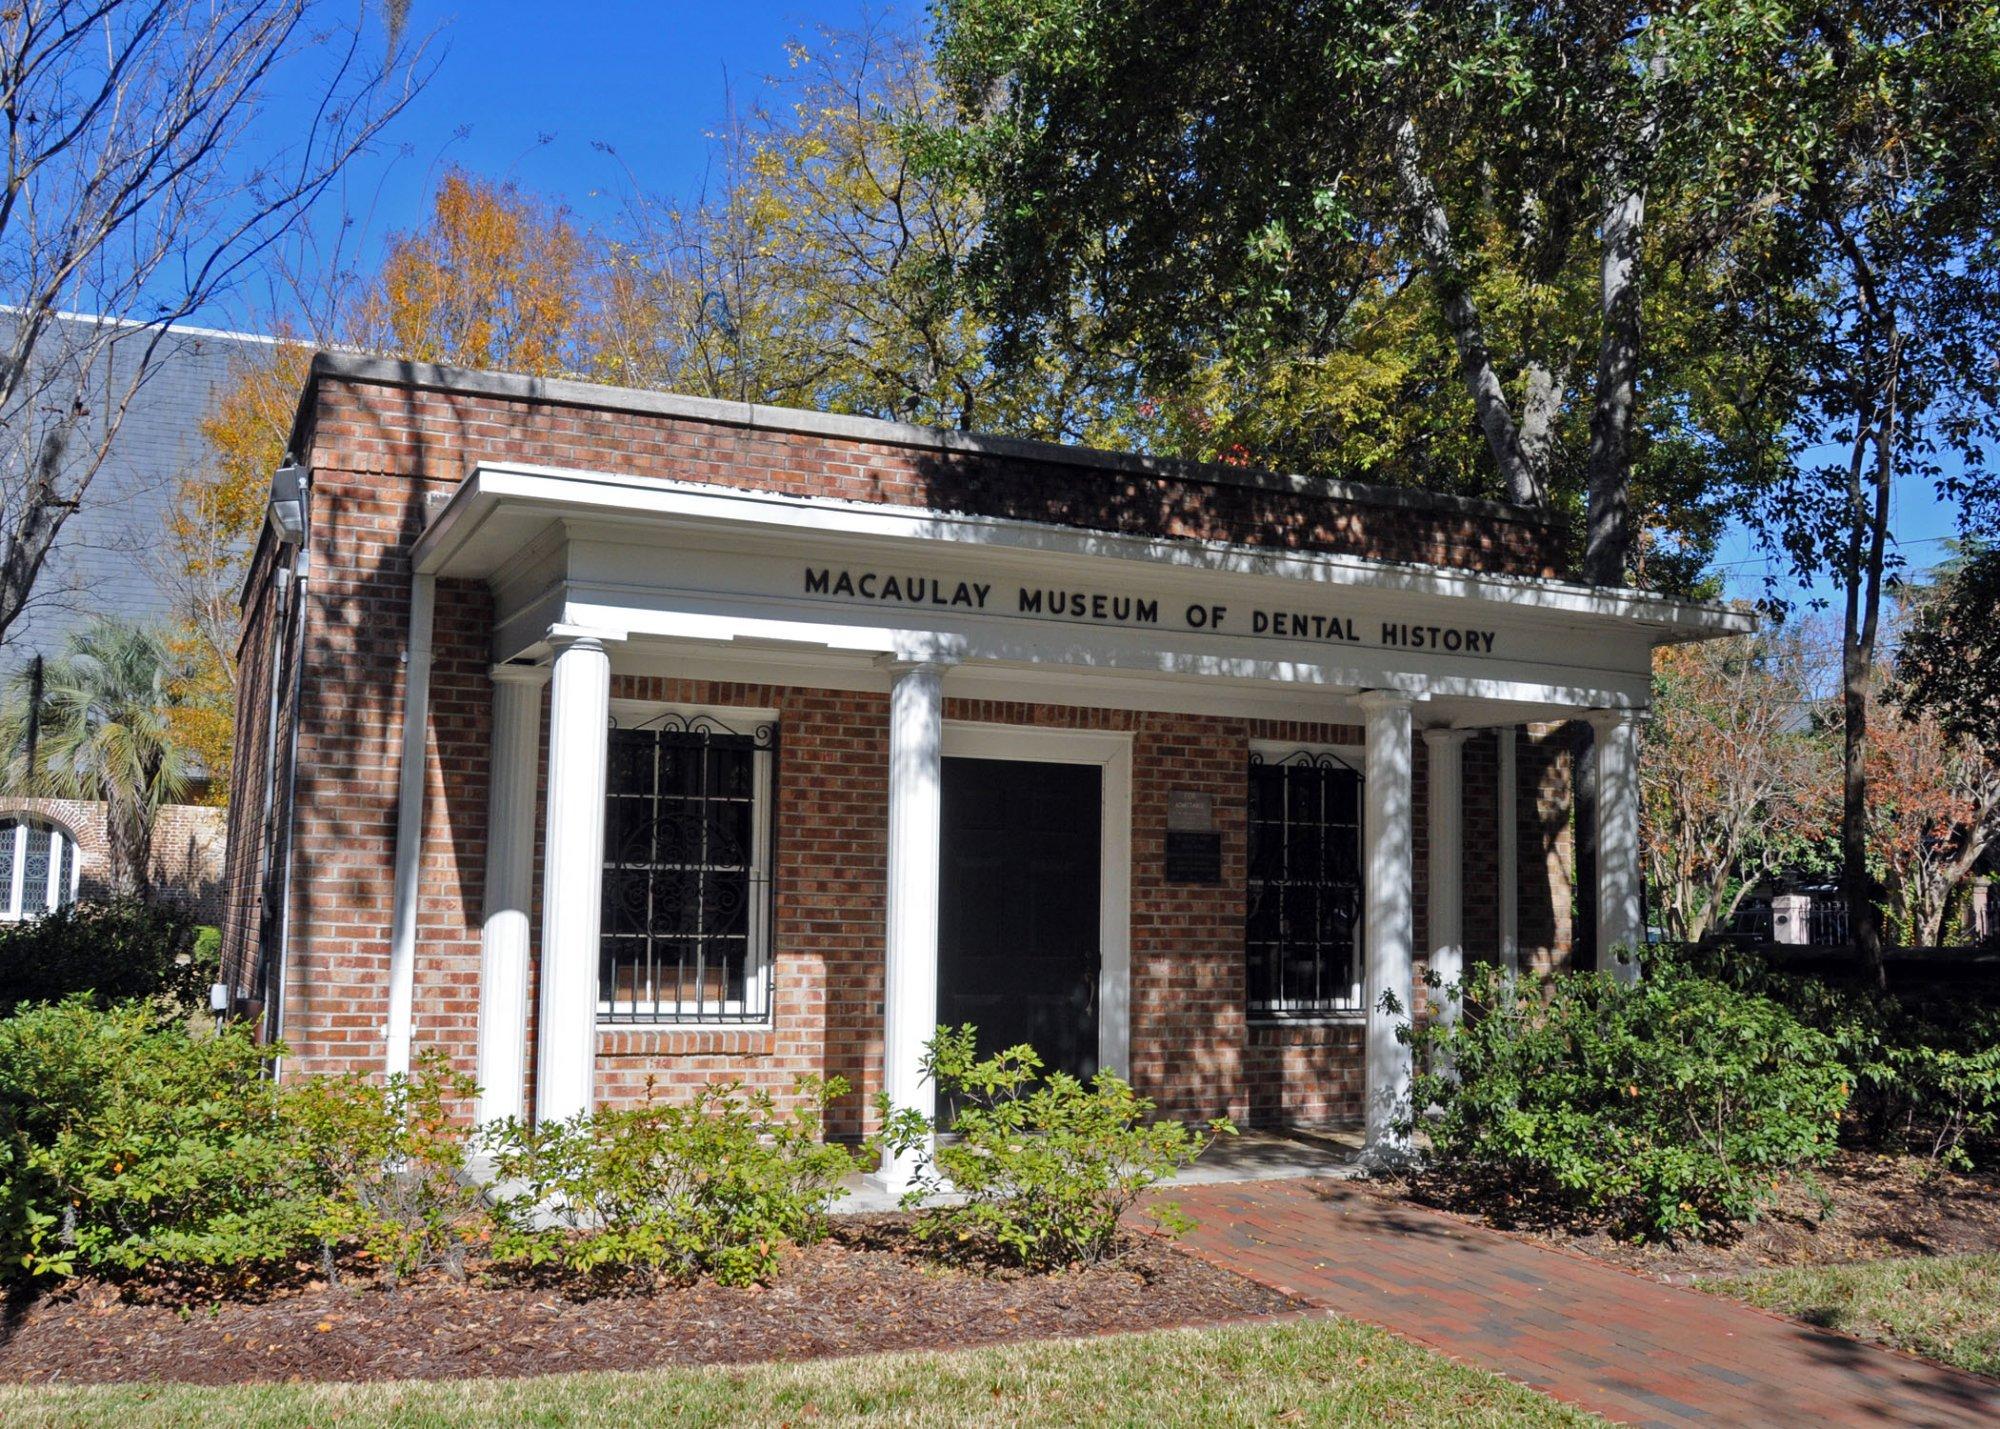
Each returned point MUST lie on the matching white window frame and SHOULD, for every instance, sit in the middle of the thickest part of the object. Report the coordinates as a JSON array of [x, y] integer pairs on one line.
[[752, 1012], [65, 866], [1319, 1011]]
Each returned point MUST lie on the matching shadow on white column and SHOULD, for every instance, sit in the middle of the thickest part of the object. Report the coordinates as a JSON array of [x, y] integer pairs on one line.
[[1388, 936], [572, 875], [916, 831], [1445, 828], [510, 874], [1621, 925]]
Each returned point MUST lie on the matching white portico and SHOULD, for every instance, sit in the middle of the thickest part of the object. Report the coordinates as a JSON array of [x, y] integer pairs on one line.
[[593, 573]]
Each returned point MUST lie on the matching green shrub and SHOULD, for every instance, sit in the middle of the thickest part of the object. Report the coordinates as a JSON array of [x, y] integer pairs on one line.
[[132, 1146], [390, 1164], [1046, 1167], [1926, 1066], [113, 951], [1669, 1107], [716, 1186], [1926, 1059]]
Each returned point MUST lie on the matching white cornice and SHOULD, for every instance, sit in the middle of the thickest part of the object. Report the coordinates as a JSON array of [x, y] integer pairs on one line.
[[611, 500]]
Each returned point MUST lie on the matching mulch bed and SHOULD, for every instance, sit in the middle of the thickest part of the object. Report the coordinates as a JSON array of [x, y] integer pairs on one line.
[[1875, 1207], [866, 1288]]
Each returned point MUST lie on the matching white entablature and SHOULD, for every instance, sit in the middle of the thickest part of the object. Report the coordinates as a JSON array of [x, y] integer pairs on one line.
[[768, 584]]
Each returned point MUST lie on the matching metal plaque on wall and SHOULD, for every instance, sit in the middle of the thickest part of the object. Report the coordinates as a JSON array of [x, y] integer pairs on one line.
[[1194, 856]]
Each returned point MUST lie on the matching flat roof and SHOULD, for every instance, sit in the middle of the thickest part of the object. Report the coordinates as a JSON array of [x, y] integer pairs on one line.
[[569, 392]]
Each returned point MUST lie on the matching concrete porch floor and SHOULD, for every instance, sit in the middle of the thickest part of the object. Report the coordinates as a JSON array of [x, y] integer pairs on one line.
[[1286, 1155]]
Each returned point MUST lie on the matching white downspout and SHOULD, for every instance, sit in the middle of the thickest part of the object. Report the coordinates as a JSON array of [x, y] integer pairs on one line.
[[409, 826]]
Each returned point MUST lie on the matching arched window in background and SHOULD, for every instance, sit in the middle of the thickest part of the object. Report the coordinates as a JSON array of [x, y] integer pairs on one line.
[[38, 868]]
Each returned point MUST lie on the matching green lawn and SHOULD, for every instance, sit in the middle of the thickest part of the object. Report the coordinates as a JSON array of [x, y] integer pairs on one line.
[[1946, 1307], [1309, 1372]]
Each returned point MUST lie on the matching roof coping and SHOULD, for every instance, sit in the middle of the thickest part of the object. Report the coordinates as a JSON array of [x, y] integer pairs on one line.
[[754, 416]]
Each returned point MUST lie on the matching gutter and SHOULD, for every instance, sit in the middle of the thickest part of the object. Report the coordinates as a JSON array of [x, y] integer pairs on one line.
[[290, 616], [301, 565]]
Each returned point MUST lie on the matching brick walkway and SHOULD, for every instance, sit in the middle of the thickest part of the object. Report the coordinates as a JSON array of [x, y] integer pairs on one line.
[[1610, 1341]]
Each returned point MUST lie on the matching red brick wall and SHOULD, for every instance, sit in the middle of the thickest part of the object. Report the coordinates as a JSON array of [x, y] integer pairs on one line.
[[436, 435], [378, 452], [832, 814], [344, 823], [242, 898]]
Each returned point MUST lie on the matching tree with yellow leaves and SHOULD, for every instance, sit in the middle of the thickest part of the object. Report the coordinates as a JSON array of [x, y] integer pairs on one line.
[[496, 278], [211, 533], [823, 271]]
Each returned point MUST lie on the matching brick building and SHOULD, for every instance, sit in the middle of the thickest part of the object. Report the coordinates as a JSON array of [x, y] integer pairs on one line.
[[599, 737]]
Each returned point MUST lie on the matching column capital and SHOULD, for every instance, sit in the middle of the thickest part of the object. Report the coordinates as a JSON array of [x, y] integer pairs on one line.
[[582, 637], [518, 674], [1602, 720], [1372, 700], [896, 665], [1444, 736]]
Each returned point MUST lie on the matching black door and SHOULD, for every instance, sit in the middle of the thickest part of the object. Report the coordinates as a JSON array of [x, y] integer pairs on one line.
[[1018, 907]]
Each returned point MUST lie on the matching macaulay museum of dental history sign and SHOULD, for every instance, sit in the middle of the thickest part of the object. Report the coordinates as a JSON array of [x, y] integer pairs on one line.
[[918, 591]]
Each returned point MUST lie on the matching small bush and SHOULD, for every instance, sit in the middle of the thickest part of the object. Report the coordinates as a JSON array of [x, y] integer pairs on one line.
[[1927, 1068], [390, 1164], [114, 951], [1047, 1168], [1665, 1108], [716, 1186], [1926, 1058], [130, 1146]]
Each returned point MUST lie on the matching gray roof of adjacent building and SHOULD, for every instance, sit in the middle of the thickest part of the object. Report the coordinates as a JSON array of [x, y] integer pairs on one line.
[[111, 556]]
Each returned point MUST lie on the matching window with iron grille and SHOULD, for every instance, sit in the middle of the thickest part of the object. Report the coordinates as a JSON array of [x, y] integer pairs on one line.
[[1304, 924], [688, 851]]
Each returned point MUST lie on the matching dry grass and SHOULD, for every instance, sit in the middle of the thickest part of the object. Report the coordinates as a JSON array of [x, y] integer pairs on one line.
[[1311, 1372], [1946, 1308]]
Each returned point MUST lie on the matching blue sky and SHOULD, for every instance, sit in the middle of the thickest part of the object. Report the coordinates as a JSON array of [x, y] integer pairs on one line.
[[534, 86], [529, 92]]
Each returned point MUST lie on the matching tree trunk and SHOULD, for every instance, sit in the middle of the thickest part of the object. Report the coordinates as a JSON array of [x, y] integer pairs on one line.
[[1461, 315], [1610, 465], [129, 834], [43, 510], [1866, 549]]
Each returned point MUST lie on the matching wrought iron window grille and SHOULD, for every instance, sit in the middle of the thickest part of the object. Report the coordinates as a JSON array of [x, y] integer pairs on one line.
[[1303, 928], [690, 850]]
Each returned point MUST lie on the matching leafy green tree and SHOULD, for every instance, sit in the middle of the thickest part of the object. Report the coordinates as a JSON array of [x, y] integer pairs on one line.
[[1262, 190], [96, 722], [1886, 230], [824, 268], [1948, 661]]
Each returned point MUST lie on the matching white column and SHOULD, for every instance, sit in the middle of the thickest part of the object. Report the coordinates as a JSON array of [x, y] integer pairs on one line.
[[909, 1002], [510, 889], [1388, 934], [1620, 909], [572, 876], [1446, 828], [1507, 771]]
